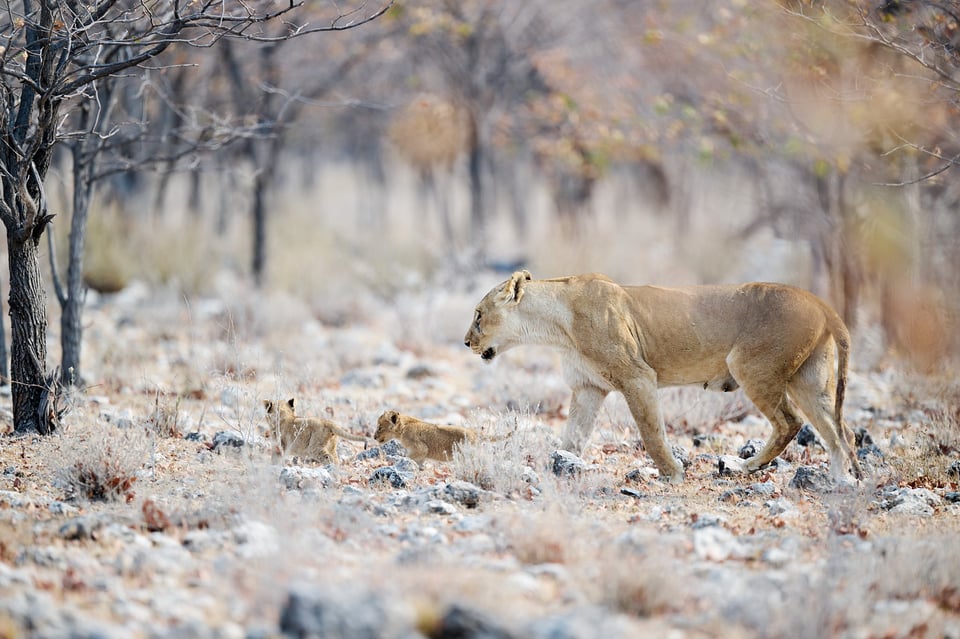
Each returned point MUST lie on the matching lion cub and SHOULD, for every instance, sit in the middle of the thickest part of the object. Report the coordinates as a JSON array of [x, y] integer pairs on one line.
[[306, 437], [422, 439]]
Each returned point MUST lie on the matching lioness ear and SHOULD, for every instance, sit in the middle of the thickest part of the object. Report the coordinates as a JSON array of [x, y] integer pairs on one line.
[[268, 405], [513, 289], [290, 403]]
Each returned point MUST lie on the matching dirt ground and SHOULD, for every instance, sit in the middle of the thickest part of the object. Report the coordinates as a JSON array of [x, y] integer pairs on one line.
[[160, 509]]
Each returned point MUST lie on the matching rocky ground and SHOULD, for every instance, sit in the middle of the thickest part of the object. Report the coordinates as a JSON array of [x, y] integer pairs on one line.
[[160, 511]]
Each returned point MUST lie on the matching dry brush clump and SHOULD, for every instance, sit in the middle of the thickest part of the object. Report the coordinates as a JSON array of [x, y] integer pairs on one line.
[[510, 455], [105, 464]]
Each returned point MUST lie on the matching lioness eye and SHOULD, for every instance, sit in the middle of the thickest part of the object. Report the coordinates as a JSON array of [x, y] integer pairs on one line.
[[477, 322]]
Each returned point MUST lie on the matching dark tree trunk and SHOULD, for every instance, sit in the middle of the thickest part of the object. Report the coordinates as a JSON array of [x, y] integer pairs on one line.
[[259, 229], [475, 169], [4, 365], [28, 326], [71, 300]]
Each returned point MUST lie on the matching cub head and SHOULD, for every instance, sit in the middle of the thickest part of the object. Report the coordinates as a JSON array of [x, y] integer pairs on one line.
[[279, 412], [387, 426], [496, 323]]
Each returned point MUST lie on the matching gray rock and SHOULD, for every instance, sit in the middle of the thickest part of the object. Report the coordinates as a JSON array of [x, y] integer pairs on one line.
[[460, 622], [953, 470], [952, 497], [311, 612], [808, 437], [391, 448], [812, 479], [781, 506], [567, 464], [730, 465], [920, 502], [83, 527], [390, 475], [714, 543], [439, 507], [195, 436], [463, 493], [681, 454], [300, 478], [751, 448], [226, 439]]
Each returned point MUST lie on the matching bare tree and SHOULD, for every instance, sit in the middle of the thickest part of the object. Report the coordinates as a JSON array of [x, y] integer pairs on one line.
[[53, 52]]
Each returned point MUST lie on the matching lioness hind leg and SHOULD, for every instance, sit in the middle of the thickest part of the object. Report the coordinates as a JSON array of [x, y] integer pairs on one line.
[[641, 396], [784, 420], [813, 387]]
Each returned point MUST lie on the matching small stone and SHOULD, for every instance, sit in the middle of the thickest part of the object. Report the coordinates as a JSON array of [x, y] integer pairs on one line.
[[807, 436], [920, 502], [862, 438], [953, 497], [631, 492], [459, 621], [439, 507], [681, 455], [766, 488], [419, 371], [953, 470], [195, 436], [300, 478], [730, 465], [751, 448], [84, 527], [714, 543], [226, 438], [566, 464], [812, 479], [389, 475], [781, 506], [392, 448], [463, 493]]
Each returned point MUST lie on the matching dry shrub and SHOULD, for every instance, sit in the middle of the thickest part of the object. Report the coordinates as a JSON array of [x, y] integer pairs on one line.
[[640, 584], [165, 419], [109, 261], [105, 466], [935, 444], [509, 447], [430, 132]]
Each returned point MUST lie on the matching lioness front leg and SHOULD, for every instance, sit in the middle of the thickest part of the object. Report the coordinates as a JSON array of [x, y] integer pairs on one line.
[[641, 396], [584, 405]]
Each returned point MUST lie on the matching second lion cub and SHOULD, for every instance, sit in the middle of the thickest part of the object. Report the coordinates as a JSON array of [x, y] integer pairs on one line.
[[422, 439], [306, 437]]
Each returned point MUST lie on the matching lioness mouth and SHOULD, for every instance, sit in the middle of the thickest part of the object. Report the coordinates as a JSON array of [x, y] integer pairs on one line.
[[488, 354]]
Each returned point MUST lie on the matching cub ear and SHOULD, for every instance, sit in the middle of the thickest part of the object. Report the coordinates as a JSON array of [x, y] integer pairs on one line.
[[512, 290], [394, 417], [267, 404], [290, 403]]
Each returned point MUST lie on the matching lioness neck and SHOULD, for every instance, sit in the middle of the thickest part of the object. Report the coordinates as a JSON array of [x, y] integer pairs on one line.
[[548, 318]]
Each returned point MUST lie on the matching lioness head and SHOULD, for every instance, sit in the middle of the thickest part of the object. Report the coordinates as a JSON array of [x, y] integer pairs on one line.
[[387, 426], [496, 326]]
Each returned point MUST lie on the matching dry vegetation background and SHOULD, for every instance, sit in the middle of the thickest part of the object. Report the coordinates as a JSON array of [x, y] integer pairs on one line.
[[160, 510]]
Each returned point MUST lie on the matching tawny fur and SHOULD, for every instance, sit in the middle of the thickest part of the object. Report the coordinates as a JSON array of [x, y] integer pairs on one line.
[[306, 437], [422, 439], [775, 341]]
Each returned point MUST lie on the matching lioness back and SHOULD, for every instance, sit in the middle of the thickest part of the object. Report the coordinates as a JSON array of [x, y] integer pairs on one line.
[[422, 439]]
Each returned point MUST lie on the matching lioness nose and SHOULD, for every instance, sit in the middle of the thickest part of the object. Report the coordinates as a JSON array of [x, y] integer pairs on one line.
[[466, 342]]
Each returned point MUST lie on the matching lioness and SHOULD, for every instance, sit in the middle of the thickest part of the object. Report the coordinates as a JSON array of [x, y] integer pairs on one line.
[[775, 341], [422, 439], [306, 437]]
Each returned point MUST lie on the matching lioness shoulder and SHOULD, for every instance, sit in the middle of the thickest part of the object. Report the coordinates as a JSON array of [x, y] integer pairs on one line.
[[311, 438], [422, 439]]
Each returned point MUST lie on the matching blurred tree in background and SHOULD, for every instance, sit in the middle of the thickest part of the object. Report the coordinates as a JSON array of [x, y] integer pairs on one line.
[[834, 122], [58, 66]]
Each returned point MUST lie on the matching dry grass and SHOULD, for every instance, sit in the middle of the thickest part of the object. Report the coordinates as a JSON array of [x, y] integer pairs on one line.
[[106, 464]]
